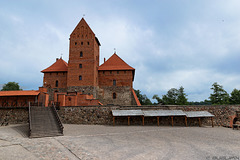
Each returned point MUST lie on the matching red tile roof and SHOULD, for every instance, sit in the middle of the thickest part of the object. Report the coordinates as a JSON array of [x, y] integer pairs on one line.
[[115, 63], [19, 93], [59, 66]]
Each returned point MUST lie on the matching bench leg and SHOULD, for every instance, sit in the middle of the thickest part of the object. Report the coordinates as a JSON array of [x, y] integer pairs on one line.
[[113, 121], [143, 120], [199, 121], [186, 121], [212, 121]]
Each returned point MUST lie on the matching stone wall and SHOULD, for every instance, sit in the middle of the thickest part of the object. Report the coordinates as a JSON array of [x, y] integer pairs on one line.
[[102, 115], [123, 95], [13, 115]]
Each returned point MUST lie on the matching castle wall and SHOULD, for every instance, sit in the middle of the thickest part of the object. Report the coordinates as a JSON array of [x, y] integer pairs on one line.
[[102, 115], [123, 78], [123, 95], [16, 101], [49, 79], [121, 87]]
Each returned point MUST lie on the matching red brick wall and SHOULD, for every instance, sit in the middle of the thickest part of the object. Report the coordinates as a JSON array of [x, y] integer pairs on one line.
[[16, 101], [83, 40], [123, 78], [49, 79]]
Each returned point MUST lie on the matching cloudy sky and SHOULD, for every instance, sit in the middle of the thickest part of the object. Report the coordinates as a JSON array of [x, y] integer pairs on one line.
[[170, 43]]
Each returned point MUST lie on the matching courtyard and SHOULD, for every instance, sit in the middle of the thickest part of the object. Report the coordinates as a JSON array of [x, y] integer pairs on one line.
[[122, 142]]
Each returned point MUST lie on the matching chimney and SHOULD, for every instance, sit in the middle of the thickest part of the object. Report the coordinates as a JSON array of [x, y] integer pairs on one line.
[[56, 59], [104, 60]]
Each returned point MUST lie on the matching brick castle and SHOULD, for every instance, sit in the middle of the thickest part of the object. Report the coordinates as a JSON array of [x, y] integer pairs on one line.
[[82, 81]]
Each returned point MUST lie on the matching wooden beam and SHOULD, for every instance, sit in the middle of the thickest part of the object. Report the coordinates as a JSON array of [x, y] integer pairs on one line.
[[158, 121], [212, 121], [113, 121], [128, 120], [172, 120], [143, 120], [199, 121], [186, 121]]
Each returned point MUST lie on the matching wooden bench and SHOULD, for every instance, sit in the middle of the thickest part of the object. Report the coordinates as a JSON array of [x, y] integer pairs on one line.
[[127, 113], [164, 113], [199, 115]]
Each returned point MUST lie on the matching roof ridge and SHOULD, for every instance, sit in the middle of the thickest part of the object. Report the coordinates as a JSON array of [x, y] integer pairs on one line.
[[115, 63], [59, 66]]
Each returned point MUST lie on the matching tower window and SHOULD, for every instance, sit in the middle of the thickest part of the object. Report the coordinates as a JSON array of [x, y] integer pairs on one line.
[[80, 65], [114, 82], [80, 78], [114, 95], [81, 54], [56, 83], [88, 43], [75, 43], [81, 43]]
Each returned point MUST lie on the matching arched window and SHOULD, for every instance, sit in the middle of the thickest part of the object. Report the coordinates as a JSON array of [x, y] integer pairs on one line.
[[80, 78], [114, 82], [56, 83], [81, 54], [114, 95]]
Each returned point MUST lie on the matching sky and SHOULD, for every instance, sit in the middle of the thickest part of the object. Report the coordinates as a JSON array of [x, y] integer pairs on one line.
[[170, 43]]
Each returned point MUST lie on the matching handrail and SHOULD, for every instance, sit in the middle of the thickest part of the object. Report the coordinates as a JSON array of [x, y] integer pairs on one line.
[[57, 116], [29, 117]]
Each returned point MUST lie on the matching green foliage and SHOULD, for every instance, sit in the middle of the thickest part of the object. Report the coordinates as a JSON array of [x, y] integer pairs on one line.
[[205, 102], [11, 86], [173, 97], [170, 97], [143, 99], [159, 100], [235, 97], [219, 95], [181, 99]]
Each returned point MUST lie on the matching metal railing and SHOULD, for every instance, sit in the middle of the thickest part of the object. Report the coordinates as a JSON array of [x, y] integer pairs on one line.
[[57, 117], [29, 117]]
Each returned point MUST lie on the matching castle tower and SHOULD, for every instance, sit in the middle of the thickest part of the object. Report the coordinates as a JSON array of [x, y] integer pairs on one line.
[[83, 60]]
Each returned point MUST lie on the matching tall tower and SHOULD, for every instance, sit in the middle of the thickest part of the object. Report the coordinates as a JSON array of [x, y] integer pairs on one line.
[[83, 60]]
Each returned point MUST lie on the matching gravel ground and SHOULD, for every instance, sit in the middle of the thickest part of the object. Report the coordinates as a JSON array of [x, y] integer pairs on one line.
[[122, 142]]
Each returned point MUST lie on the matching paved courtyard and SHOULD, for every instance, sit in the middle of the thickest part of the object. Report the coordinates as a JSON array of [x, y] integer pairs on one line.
[[122, 142]]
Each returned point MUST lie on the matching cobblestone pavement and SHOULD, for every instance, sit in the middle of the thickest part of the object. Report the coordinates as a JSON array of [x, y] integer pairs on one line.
[[122, 142]]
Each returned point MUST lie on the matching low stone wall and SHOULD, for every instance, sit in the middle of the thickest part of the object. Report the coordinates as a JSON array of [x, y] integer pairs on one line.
[[102, 115], [13, 115]]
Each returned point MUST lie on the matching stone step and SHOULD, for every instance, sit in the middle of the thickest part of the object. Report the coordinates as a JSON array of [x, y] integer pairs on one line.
[[44, 123]]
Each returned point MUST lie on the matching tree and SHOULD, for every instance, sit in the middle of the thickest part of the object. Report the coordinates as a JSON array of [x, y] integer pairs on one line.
[[170, 97], [143, 99], [159, 100], [11, 86], [173, 97], [181, 99], [219, 96], [235, 97]]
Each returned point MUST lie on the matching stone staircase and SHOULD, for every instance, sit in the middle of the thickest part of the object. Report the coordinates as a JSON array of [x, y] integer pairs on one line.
[[44, 122]]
